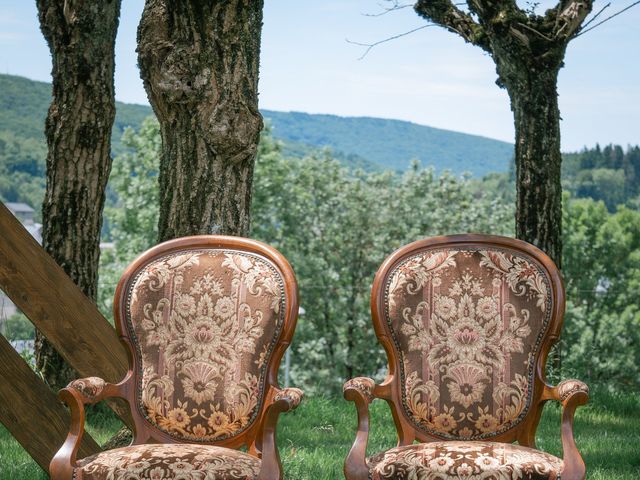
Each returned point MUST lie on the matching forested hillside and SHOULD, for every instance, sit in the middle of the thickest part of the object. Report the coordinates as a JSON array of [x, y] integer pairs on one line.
[[362, 141], [392, 144], [610, 174]]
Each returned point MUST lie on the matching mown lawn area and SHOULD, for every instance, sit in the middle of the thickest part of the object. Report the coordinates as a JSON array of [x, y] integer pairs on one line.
[[315, 438]]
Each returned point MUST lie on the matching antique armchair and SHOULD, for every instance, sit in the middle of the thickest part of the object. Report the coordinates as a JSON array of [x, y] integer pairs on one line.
[[467, 322], [205, 321]]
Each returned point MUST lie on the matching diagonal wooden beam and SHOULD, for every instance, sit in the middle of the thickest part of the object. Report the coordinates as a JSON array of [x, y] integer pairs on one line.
[[31, 412], [58, 308]]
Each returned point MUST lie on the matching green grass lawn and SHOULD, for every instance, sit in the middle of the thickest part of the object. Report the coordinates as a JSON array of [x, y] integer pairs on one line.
[[315, 438]]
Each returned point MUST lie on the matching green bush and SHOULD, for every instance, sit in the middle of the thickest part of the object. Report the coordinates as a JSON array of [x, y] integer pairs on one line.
[[19, 327]]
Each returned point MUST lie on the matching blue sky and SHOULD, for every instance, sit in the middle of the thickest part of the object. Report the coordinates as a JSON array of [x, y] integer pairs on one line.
[[430, 77]]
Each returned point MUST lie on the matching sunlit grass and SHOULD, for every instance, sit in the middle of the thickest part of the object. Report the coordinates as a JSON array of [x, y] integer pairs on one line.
[[316, 437]]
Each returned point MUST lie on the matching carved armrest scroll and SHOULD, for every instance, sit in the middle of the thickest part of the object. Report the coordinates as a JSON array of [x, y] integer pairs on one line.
[[362, 385], [568, 388], [293, 397], [91, 389], [361, 391], [283, 401], [78, 393], [572, 394]]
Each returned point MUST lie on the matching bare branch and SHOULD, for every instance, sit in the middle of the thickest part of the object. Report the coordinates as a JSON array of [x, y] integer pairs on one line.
[[608, 18], [396, 5], [531, 29], [388, 39], [591, 20]]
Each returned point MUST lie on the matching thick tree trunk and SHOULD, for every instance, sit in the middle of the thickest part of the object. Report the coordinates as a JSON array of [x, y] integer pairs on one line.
[[538, 161], [199, 62], [81, 38], [531, 79]]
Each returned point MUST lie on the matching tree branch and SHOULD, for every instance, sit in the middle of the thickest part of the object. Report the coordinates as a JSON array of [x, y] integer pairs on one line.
[[492, 10], [388, 39], [395, 5], [606, 19], [593, 19], [449, 16], [571, 17]]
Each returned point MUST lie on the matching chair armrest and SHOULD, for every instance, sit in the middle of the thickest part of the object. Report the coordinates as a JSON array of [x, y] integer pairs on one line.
[[361, 391], [283, 401], [290, 396], [90, 389], [571, 394], [77, 394]]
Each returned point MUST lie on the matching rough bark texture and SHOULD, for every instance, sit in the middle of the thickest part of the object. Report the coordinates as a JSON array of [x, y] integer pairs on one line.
[[81, 38], [528, 51], [538, 160], [199, 62]]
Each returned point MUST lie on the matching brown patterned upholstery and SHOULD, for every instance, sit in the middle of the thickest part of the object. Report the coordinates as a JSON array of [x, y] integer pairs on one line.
[[204, 323], [169, 462], [454, 460], [467, 323]]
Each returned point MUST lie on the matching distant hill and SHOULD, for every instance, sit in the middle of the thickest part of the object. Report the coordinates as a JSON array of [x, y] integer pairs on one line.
[[361, 141], [24, 104], [392, 144]]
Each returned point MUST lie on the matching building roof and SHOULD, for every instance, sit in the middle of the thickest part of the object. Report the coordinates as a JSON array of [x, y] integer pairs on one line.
[[19, 207]]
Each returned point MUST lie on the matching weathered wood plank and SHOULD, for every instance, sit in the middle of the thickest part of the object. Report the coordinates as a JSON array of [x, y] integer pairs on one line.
[[31, 412], [56, 306]]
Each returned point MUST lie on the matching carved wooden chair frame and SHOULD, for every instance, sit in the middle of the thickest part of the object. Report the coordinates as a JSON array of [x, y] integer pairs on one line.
[[259, 438], [362, 391]]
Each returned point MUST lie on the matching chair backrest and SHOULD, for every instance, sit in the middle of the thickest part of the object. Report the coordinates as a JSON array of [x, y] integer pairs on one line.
[[467, 322], [207, 319]]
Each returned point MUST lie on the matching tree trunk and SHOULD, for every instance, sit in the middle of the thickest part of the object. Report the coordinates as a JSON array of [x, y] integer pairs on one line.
[[532, 86], [81, 38], [538, 160], [199, 63], [530, 77]]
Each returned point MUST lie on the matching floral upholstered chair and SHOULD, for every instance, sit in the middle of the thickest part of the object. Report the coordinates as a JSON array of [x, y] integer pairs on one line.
[[206, 320], [467, 322]]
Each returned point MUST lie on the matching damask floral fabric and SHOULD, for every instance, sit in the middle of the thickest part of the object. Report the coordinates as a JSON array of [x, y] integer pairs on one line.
[[467, 325], [169, 462], [464, 460], [204, 324]]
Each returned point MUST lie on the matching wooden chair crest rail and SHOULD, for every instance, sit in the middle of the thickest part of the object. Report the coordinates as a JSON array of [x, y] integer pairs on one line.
[[205, 321], [467, 322]]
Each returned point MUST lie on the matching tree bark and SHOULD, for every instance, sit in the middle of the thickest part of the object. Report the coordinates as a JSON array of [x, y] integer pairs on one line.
[[538, 160], [81, 37], [531, 82], [199, 63]]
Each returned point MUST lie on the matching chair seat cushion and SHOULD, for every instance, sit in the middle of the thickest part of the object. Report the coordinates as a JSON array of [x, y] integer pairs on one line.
[[464, 460], [172, 461]]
